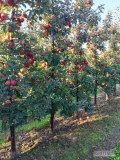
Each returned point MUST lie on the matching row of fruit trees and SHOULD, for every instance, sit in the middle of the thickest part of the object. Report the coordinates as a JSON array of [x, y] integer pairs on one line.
[[54, 56]]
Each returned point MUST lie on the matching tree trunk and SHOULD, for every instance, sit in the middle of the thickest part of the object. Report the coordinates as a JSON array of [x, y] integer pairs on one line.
[[107, 97], [95, 99], [52, 121], [77, 98], [95, 92], [115, 88], [13, 141], [96, 83]]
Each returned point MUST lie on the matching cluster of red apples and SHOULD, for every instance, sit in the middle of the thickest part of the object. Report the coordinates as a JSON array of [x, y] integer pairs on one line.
[[11, 3], [81, 65], [30, 58]]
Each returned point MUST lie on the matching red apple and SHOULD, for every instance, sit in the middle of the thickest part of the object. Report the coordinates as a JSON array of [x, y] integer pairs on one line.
[[29, 22], [31, 60], [46, 51], [78, 37], [27, 65], [55, 74], [95, 45], [80, 119], [31, 53], [63, 63], [22, 43], [8, 83], [21, 19], [85, 62], [3, 16], [88, 2], [61, 49], [69, 44], [102, 65], [82, 68], [12, 45], [35, 59], [47, 79], [5, 121], [70, 24], [25, 15], [45, 65], [8, 102], [9, 138], [13, 82], [10, 29], [70, 72], [2, 75], [22, 52], [12, 3]]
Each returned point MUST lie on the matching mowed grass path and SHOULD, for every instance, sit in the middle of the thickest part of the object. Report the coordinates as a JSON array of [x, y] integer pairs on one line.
[[25, 128], [74, 142]]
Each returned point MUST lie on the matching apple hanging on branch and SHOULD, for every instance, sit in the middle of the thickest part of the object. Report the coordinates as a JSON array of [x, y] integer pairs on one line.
[[8, 102], [3, 16], [10, 83], [9, 138], [11, 3]]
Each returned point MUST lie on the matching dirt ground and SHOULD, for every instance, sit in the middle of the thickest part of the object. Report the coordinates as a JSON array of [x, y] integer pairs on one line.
[[109, 144], [107, 147], [27, 141]]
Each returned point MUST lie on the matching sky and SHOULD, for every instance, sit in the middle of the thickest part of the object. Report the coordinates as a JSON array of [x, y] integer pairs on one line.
[[109, 5]]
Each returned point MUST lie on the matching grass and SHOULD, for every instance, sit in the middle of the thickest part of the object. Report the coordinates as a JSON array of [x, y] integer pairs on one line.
[[25, 128], [88, 134], [117, 152], [28, 127], [89, 138], [3, 139], [34, 125], [44, 123]]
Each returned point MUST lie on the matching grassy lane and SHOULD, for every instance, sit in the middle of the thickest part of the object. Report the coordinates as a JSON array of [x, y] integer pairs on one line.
[[77, 142], [73, 140]]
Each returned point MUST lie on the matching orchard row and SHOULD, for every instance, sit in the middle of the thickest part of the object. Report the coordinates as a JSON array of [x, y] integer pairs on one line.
[[58, 63]]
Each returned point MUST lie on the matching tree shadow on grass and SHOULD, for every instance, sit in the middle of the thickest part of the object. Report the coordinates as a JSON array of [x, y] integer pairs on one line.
[[66, 140], [71, 138]]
